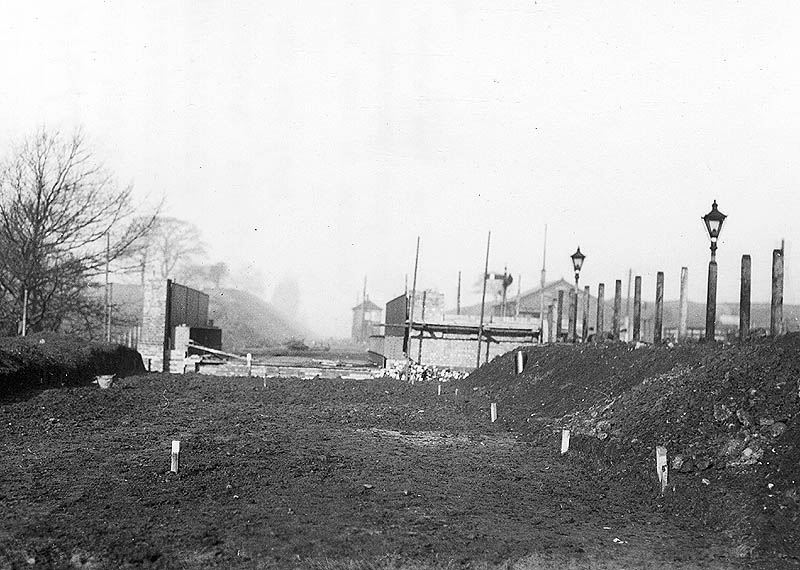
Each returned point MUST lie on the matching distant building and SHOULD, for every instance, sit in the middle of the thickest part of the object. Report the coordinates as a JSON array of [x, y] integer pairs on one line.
[[366, 321]]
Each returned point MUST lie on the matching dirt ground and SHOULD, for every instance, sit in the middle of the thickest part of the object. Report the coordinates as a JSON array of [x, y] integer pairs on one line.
[[323, 474], [728, 415]]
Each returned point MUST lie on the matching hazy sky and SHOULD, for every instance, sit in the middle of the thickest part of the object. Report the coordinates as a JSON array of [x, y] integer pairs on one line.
[[317, 140]]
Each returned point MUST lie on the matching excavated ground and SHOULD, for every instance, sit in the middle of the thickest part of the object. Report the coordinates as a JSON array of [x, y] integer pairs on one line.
[[729, 416], [355, 474]]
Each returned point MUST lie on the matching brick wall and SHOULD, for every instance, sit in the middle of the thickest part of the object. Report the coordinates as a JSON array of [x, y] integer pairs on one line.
[[154, 313]]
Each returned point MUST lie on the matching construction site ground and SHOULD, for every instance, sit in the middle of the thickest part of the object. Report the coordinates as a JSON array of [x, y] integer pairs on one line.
[[351, 474]]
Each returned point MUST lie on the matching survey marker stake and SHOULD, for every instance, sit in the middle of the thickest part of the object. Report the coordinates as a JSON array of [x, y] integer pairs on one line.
[[176, 451], [564, 441], [439, 390], [520, 361], [494, 412], [661, 467]]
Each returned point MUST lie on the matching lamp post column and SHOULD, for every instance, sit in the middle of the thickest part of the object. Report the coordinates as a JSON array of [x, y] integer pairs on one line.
[[711, 298]]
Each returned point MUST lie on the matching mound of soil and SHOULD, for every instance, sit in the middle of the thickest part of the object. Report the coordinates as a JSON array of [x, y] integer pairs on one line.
[[46, 360], [729, 416]]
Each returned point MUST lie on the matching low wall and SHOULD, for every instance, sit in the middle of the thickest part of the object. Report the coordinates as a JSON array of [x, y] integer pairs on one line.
[[458, 352], [267, 371]]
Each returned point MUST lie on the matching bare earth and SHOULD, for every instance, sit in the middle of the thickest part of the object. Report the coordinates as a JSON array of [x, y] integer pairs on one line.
[[310, 474]]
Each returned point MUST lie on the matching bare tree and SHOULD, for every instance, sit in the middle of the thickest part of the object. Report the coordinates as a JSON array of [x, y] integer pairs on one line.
[[217, 273], [61, 218], [168, 249]]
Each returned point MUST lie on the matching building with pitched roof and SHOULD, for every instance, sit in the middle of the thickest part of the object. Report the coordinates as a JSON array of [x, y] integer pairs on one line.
[[366, 321]]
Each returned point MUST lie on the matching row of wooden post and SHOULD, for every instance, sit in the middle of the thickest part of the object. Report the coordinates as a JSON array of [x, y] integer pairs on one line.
[[776, 305]]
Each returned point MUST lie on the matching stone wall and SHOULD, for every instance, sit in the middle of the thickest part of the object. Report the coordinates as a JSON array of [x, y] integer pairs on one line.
[[458, 352]]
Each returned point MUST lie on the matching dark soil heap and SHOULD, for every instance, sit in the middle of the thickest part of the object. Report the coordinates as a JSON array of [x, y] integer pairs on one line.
[[47, 360], [729, 416]]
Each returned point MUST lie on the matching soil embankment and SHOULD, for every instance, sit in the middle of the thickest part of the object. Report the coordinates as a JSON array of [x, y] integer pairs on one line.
[[46, 361], [729, 416]]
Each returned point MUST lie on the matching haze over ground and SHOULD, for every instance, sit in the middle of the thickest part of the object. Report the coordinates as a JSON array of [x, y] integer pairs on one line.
[[316, 140]]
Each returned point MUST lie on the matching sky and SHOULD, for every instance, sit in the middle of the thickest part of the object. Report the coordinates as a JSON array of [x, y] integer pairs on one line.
[[317, 140]]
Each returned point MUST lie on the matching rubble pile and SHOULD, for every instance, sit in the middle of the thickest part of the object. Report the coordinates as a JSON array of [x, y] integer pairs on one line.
[[423, 373]]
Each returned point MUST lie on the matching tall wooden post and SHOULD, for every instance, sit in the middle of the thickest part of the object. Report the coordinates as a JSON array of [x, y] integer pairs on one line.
[[637, 308], [617, 307], [600, 325], [458, 295], [711, 301], [364, 312], [108, 294], [422, 318], [744, 298], [659, 319], [410, 329], [585, 327], [541, 296], [483, 299], [683, 308], [550, 323], [776, 305], [559, 313], [25, 312], [572, 316]]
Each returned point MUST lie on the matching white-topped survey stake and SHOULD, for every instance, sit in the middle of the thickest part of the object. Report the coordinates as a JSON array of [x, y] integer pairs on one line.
[[176, 451], [661, 466], [520, 361], [564, 441], [494, 412]]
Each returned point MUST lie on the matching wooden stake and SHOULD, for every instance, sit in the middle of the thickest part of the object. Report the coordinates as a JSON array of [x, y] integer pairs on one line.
[[658, 325], [585, 323], [249, 364], [439, 390], [456, 391], [744, 298], [776, 303], [683, 311], [520, 361], [494, 412], [564, 441], [617, 309], [599, 325], [176, 451], [661, 467]]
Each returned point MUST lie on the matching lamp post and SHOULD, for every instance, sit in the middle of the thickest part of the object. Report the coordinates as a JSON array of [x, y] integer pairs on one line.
[[713, 221], [577, 263]]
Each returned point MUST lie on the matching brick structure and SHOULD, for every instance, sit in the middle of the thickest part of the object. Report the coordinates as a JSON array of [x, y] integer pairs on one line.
[[165, 307], [447, 340], [154, 319]]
